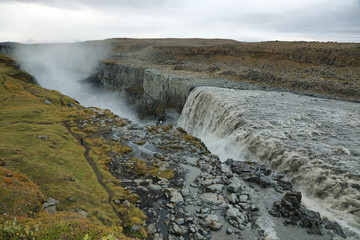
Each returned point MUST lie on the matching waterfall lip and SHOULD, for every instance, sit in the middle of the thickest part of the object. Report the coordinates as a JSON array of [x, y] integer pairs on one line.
[[312, 140]]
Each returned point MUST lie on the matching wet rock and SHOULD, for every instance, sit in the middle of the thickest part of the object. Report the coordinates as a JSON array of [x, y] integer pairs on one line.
[[290, 208], [317, 228], [258, 179], [335, 227]]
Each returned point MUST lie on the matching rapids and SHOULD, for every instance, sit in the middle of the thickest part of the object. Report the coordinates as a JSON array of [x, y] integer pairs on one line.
[[313, 141]]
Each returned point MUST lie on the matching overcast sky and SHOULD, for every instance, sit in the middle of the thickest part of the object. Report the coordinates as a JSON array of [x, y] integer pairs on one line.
[[243, 20]]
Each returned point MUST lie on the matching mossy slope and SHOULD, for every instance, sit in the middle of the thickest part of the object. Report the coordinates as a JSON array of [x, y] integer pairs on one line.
[[36, 145]]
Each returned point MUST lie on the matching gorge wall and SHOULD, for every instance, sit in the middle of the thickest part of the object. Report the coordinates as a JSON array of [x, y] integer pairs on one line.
[[159, 74]]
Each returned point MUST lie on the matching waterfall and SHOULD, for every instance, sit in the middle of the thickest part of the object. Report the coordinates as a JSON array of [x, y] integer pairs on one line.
[[315, 142]]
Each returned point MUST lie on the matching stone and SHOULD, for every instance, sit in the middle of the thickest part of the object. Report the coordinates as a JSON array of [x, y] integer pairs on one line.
[[211, 217], [155, 187], [334, 226], [317, 228], [126, 203], [185, 192], [180, 221], [232, 198], [243, 198], [212, 221], [215, 226], [258, 179], [212, 198], [253, 208], [81, 212], [176, 197], [232, 213], [47, 101], [229, 231], [43, 137], [178, 230], [50, 205], [229, 161], [216, 188], [189, 220], [151, 228], [234, 187], [135, 228], [291, 200]]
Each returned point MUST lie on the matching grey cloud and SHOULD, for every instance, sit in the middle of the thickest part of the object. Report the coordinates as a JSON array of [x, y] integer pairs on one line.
[[102, 4]]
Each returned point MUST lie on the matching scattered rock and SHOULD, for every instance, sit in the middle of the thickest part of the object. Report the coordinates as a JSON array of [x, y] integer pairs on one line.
[[151, 228], [185, 192], [71, 199], [212, 221], [81, 212], [232, 213], [178, 230], [176, 197], [212, 198], [50, 205], [43, 137], [234, 187]]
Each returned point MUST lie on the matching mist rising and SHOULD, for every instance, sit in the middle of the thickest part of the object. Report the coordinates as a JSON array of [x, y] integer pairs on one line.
[[61, 67]]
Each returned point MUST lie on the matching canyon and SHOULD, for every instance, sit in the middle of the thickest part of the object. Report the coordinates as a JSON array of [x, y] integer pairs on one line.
[[275, 113]]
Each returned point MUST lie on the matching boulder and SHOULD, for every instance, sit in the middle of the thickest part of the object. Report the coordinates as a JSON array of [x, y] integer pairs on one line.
[[50, 205], [232, 213], [212, 198], [176, 197]]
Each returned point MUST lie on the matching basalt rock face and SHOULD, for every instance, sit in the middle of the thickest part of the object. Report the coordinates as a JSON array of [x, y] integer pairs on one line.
[[150, 89]]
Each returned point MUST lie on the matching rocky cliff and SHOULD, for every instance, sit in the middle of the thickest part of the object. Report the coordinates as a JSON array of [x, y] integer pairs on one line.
[[159, 74]]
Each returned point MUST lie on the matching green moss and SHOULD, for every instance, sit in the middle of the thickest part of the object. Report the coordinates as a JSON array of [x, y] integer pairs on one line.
[[37, 143], [18, 195]]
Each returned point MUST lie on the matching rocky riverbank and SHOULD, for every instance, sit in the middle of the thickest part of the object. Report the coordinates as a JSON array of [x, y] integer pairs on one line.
[[187, 193]]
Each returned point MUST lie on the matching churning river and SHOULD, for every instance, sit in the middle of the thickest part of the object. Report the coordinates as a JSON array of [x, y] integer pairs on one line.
[[314, 141]]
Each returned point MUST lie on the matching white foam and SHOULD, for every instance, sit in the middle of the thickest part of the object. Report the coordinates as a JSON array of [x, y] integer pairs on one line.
[[314, 141]]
